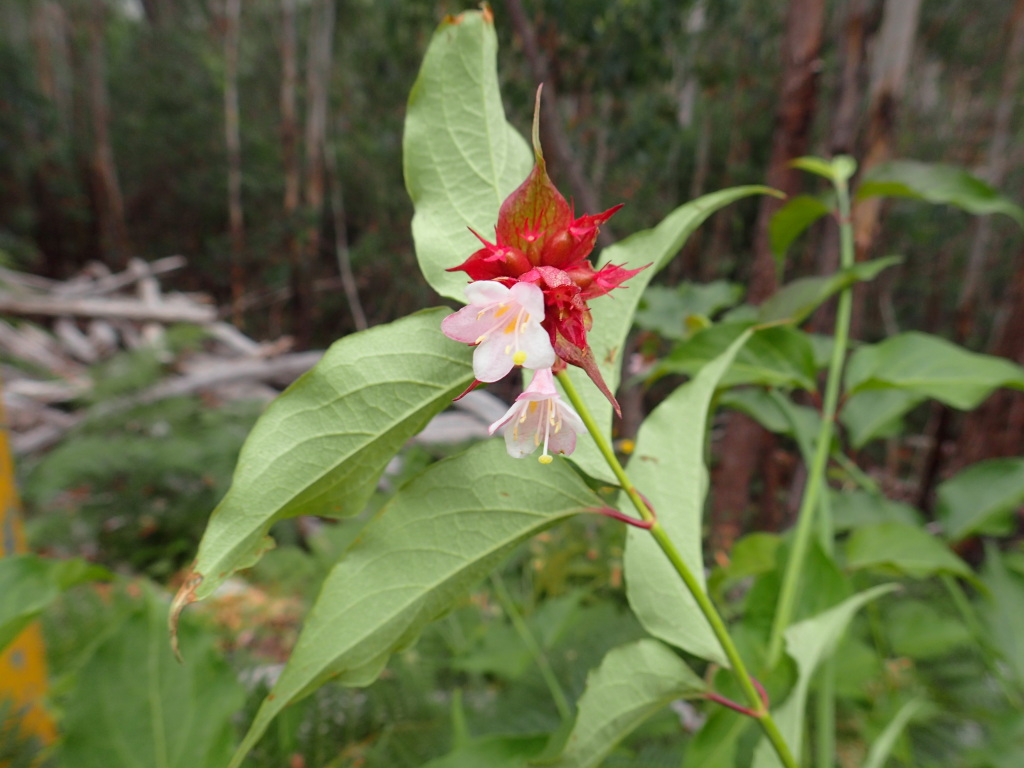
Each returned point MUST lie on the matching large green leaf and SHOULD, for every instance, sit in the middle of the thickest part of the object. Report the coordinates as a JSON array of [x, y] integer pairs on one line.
[[493, 752], [905, 548], [856, 508], [668, 468], [809, 643], [790, 221], [937, 183], [774, 357], [133, 705], [29, 584], [613, 314], [884, 745], [1002, 610], [437, 537], [794, 301], [633, 682], [917, 630], [931, 367], [461, 157], [983, 498], [876, 413], [675, 313], [320, 448]]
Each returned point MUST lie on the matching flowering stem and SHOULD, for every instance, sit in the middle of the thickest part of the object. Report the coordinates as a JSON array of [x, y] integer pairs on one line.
[[758, 708], [816, 473]]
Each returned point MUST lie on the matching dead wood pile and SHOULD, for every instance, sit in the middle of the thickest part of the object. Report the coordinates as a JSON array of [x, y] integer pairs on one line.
[[52, 333]]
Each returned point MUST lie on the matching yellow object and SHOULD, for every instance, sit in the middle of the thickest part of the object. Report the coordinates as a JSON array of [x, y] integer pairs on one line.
[[23, 663]]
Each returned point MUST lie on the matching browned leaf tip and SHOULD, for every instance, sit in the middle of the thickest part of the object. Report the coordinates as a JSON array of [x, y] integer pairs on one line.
[[186, 594]]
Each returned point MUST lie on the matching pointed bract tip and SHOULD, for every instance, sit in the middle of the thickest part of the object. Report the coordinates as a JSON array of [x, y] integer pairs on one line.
[[538, 153]]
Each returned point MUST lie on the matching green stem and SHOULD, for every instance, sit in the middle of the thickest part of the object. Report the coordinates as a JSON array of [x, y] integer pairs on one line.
[[508, 605], [707, 608], [816, 472]]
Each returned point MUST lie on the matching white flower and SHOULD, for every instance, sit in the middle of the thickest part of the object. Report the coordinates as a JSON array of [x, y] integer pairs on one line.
[[504, 325], [539, 417]]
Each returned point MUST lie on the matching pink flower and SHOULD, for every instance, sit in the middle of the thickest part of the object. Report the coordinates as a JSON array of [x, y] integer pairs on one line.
[[539, 417], [505, 326]]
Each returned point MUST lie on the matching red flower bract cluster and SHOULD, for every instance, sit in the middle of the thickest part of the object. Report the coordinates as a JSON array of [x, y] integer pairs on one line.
[[539, 240]]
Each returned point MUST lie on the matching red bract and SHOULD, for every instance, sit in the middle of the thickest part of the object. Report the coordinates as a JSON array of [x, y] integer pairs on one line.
[[538, 240]]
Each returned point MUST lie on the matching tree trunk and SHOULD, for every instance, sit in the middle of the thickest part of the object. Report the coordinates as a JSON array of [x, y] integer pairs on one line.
[[289, 148], [341, 251], [995, 174], [109, 204], [318, 70], [805, 21], [745, 443], [997, 427], [893, 49], [232, 135], [557, 149], [846, 121]]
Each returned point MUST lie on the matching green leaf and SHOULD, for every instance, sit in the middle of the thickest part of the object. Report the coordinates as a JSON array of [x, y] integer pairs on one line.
[[902, 547], [886, 741], [777, 413], [29, 584], [876, 413], [937, 183], [134, 705], [792, 219], [633, 682], [930, 367], [809, 643], [716, 743], [493, 752], [613, 314], [982, 499], [668, 467], [674, 313], [918, 631], [438, 536], [795, 301], [1002, 610], [775, 357], [753, 555], [815, 165], [321, 446], [855, 509], [461, 157]]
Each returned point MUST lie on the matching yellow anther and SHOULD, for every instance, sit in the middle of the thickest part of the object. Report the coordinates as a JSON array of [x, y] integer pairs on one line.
[[545, 459], [519, 357]]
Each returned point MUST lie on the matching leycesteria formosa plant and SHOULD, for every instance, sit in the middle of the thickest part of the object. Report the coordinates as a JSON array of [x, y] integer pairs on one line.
[[535, 301]]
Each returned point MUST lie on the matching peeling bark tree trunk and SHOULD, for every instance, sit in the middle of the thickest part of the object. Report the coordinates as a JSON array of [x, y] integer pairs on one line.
[[318, 70], [746, 445], [289, 145], [894, 46], [232, 135], [995, 173], [997, 427], [844, 131], [113, 232]]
